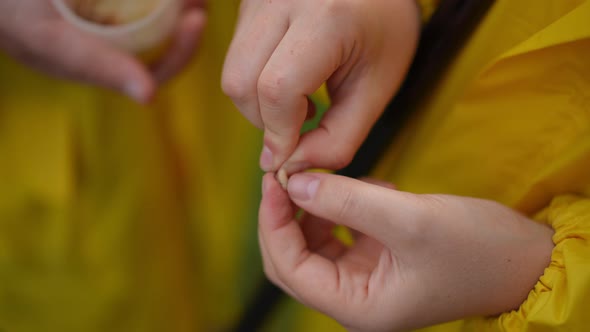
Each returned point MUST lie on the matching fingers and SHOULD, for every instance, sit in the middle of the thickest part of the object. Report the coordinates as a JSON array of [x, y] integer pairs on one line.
[[269, 269], [295, 70], [319, 234], [378, 212], [57, 48], [271, 85], [186, 40], [313, 278], [252, 46], [355, 108], [64, 51]]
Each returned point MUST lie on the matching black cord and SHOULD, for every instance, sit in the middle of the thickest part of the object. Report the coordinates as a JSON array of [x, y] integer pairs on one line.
[[442, 38], [444, 35]]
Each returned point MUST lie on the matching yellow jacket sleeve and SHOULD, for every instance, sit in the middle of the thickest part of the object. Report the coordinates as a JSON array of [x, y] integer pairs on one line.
[[560, 299]]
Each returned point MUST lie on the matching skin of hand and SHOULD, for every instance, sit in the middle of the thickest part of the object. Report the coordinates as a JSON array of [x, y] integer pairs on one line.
[[417, 260], [285, 50], [36, 35]]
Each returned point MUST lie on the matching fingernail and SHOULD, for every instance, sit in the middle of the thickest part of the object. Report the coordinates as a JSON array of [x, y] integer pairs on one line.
[[266, 159], [134, 90], [303, 186]]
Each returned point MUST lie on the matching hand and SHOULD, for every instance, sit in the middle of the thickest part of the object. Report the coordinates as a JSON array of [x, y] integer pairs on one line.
[[35, 34], [417, 260], [283, 51]]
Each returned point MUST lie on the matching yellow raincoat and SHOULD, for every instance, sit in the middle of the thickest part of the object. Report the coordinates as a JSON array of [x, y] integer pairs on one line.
[[511, 123], [115, 217]]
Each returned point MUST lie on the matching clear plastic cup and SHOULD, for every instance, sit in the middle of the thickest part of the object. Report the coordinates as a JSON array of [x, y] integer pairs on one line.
[[137, 33]]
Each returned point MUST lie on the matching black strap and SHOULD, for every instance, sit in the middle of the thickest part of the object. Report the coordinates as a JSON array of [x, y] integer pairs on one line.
[[448, 29], [441, 39]]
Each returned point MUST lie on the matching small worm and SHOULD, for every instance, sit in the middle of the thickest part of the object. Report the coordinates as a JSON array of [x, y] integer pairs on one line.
[[283, 178]]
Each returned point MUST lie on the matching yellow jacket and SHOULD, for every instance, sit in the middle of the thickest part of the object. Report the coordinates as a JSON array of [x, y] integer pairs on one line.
[[115, 217], [511, 122]]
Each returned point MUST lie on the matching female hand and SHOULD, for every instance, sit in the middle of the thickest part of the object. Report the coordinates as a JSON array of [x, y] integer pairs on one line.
[[417, 259], [283, 51], [35, 34]]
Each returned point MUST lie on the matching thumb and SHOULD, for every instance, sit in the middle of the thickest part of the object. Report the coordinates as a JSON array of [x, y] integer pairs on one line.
[[73, 54], [342, 129], [376, 211]]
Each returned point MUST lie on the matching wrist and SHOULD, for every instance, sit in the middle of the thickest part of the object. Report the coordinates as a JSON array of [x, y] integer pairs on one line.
[[563, 283], [507, 258], [523, 265]]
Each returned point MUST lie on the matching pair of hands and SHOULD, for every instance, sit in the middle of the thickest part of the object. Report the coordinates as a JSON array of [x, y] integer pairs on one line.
[[417, 260], [34, 33]]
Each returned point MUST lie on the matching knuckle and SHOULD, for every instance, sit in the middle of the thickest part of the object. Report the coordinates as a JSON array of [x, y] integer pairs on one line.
[[270, 89], [341, 156], [234, 86], [348, 204], [243, 94]]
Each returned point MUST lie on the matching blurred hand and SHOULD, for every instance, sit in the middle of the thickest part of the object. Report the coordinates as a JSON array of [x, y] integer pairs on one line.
[[283, 51], [417, 259], [34, 33]]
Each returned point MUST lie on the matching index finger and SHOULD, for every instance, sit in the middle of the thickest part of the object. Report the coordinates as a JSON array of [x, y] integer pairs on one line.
[[314, 279], [299, 66]]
